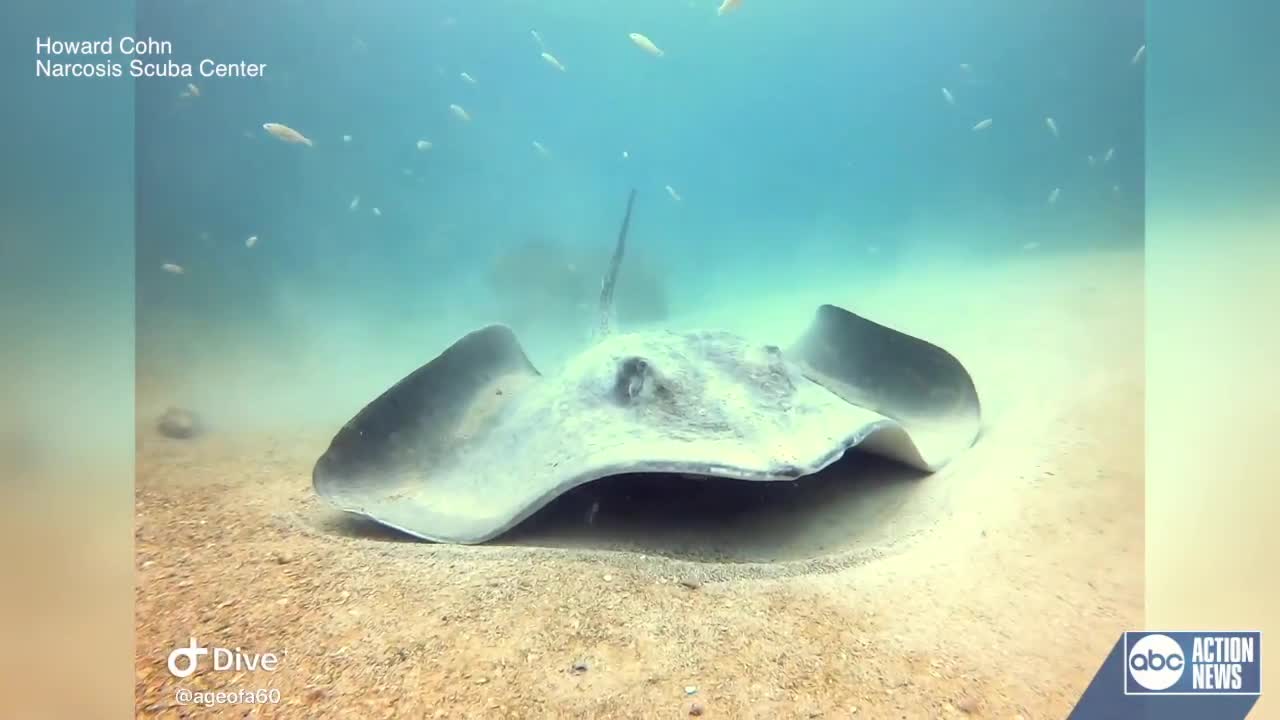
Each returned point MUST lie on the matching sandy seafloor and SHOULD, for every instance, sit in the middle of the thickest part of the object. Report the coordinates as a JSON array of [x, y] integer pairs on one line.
[[991, 589]]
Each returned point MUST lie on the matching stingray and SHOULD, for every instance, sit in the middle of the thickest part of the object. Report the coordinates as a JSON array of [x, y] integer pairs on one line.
[[474, 442]]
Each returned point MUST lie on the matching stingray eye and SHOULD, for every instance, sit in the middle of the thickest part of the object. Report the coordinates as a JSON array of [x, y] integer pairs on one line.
[[630, 378]]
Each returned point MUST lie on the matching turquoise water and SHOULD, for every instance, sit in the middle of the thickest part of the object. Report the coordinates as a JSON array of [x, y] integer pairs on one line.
[[803, 144], [787, 129], [809, 145]]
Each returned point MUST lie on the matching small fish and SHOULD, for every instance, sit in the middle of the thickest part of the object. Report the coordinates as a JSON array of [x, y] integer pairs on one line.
[[1093, 161], [424, 145], [287, 134], [1111, 152], [346, 138], [1053, 126], [460, 113], [377, 212], [1031, 246], [674, 195], [1115, 189], [193, 89], [625, 154], [538, 38], [982, 125], [251, 241], [467, 78], [728, 6], [542, 150], [355, 203], [646, 44], [172, 268], [592, 512], [946, 95], [1137, 57], [966, 67], [552, 61], [1053, 195]]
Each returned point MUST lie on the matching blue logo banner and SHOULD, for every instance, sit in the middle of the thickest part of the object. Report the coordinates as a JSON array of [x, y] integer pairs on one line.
[[1176, 676]]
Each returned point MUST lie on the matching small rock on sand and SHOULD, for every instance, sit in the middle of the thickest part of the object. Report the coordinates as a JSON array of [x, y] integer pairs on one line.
[[695, 709], [691, 583], [968, 705], [178, 424]]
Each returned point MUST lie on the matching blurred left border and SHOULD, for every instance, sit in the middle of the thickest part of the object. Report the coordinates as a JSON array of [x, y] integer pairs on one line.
[[66, 372]]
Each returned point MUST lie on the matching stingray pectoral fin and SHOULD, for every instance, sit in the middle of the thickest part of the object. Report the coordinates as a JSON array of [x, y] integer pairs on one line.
[[475, 441], [902, 377], [422, 419]]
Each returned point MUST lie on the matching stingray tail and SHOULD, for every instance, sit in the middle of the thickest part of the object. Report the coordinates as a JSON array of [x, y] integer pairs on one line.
[[611, 277]]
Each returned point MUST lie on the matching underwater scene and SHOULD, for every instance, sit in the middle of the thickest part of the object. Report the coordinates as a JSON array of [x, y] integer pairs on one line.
[[723, 358]]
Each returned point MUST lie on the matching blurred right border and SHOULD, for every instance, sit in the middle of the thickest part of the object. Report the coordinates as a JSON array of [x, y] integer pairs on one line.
[[1213, 320]]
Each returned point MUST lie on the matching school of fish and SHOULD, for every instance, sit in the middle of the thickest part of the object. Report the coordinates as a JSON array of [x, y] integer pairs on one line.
[[1050, 124], [287, 134]]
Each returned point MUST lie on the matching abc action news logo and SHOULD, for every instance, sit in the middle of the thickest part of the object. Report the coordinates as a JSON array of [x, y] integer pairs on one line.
[[1193, 663]]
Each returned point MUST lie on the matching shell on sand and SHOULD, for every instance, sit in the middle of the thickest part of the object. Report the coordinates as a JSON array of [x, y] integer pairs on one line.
[[178, 423]]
